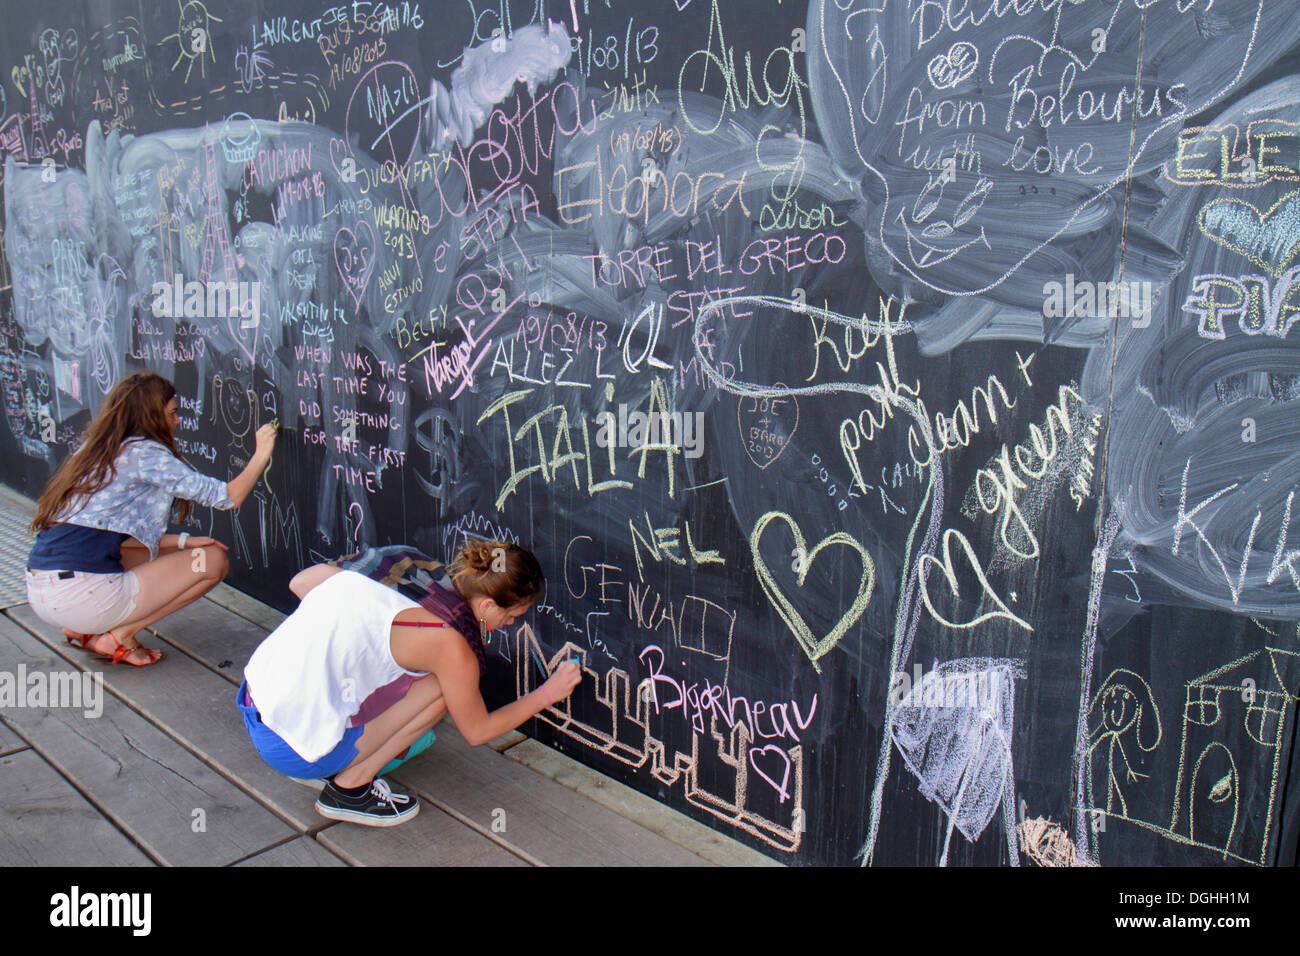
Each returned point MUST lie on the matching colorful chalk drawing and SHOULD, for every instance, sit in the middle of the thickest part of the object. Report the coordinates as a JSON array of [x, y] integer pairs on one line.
[[628, 737], [472, 252], [1270, 239]]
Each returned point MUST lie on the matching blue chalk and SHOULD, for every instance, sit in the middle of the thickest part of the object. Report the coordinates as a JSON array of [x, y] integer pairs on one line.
[[538, 658]]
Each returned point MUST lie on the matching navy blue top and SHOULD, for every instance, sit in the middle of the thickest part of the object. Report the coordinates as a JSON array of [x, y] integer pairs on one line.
[[74, 547]]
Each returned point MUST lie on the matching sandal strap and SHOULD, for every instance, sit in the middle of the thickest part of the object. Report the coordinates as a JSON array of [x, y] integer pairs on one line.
[[120, 651]]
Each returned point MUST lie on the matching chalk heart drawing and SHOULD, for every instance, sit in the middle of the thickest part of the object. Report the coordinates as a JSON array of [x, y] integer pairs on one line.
[[241, 333], [926, 562], [954, 67], [766, 426], [1270, 240], [354, 255], [815, 648], [775, 757]]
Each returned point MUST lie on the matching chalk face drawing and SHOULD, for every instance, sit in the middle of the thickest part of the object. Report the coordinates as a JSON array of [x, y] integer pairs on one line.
[[978, 356]]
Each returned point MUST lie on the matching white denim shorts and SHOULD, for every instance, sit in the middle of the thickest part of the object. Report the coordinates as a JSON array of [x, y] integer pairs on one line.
[[85, 602]]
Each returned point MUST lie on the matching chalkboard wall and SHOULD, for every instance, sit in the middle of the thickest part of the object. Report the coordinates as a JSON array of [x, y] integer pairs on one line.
[[899, 394]]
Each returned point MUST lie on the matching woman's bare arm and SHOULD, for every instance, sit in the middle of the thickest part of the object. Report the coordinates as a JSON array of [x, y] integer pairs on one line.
[[239, 487], [456, 668], [307, 579]]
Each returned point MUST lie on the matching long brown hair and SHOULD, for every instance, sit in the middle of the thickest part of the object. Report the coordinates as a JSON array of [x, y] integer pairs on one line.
[[136, 407]]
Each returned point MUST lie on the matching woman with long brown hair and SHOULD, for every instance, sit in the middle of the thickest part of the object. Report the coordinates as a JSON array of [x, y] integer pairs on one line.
[[101, 567], [360, 672]]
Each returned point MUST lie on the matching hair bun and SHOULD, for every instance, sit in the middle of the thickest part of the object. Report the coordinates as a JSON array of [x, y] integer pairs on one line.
[[479, 554], [504, 572]]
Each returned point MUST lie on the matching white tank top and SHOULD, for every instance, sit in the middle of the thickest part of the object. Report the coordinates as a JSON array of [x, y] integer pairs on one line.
[[313, 671]]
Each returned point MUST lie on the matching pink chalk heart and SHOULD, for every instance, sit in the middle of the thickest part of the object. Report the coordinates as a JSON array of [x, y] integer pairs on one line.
[[775, 757], [354, 255]]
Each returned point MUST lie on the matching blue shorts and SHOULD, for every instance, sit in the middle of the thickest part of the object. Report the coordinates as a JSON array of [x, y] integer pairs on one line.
[[282, 758]]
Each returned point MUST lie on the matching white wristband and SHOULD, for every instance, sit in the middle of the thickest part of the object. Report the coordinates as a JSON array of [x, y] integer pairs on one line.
[[180, 542]]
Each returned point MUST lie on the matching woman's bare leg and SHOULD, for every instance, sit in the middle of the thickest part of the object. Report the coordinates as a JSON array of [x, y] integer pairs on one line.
[[167, 584], [394, 730]]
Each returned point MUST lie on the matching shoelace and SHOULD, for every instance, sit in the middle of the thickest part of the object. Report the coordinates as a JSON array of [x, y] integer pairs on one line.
[[386, 795]]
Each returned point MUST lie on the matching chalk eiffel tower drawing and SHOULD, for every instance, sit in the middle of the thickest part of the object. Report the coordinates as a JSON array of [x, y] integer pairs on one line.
[[216, 234], [40, 147]]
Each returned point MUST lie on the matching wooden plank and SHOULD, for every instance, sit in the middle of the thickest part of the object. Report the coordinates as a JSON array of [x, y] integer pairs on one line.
[[542, 820], [303, 851], [636, 806], [45, 822], [507, 740], [246, 607], [168, 800], [10, 741], [197, 708], [176, 807], [217, 637], [431, 839]]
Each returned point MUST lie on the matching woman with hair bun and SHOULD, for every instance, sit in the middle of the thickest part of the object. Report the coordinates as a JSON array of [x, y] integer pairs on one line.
[[359, 672], [101, 567]]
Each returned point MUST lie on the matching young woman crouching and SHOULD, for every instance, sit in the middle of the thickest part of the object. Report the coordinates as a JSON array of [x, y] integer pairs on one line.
[[359, 672], [101, 567]]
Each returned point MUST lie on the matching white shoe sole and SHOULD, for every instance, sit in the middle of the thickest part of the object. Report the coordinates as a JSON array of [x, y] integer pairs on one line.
[[367, 819], [317, 783]]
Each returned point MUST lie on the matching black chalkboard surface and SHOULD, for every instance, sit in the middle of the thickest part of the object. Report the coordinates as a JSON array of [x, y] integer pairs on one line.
[[899, 395]]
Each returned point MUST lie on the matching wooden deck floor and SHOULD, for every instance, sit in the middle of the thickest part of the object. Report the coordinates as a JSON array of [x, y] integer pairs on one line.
[[164, 774]]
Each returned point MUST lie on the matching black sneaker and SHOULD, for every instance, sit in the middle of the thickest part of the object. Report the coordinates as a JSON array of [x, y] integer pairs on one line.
[[377, 807]]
